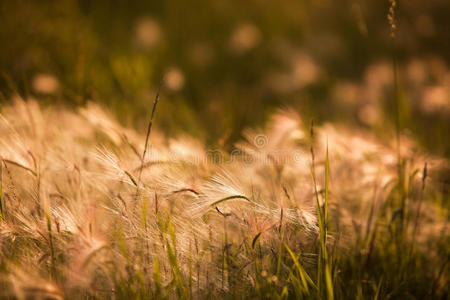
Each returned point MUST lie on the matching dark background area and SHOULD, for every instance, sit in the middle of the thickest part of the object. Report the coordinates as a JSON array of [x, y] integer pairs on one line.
[[229, 64]]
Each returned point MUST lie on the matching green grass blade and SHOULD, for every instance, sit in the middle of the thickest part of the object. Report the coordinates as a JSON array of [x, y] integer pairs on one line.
[[305, 279], [329, 283]]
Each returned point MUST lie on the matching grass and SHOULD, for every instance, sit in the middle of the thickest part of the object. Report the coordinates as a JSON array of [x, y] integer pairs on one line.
[[267, 227], [90, 209]]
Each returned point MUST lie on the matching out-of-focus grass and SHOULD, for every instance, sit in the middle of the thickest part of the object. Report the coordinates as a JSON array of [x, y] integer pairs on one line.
[[229, 65], [84, 213]]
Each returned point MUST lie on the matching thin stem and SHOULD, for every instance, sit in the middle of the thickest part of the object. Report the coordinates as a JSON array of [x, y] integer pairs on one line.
[[147, 137]]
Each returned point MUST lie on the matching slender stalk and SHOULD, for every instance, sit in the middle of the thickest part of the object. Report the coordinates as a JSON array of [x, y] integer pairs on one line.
[[324, 279], [419, 205], [147, 137], [50, 239]]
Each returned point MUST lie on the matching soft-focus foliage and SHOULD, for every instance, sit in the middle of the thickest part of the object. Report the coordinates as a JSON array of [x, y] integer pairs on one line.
[[299, 149], [76, 221], [229, 64]]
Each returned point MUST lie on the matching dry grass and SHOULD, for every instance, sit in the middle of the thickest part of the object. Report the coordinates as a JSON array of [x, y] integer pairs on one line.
[[210, 223]]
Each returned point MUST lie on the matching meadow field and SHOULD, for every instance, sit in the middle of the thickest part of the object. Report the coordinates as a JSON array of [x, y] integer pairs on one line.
[[295, 150]]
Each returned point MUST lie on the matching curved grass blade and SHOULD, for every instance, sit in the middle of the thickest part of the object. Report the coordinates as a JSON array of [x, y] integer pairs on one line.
[[255, 239], [230, 198]]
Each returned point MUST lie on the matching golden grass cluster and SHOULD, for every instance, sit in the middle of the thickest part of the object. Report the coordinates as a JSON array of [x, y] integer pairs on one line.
[[77, 222]]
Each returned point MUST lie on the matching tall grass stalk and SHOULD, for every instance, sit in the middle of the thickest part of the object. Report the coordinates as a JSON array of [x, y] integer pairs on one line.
[[48, 217], [419, 207], [147, 136], [324, 278]]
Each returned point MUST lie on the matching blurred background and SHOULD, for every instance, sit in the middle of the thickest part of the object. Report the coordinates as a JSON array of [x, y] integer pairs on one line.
[[229, 64]]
